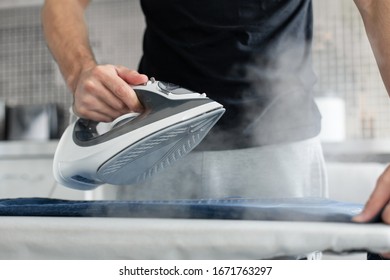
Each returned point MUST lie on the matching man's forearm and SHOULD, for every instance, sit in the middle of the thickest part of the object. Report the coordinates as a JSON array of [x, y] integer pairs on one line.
[[376, 17], [67, 37]]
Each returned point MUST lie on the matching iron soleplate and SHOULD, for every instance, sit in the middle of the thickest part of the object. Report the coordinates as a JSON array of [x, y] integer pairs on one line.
[[158, 151]]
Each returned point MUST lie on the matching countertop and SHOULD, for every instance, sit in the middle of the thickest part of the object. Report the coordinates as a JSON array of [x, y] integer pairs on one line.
[[370, 150], [27, 149], [347, 151]]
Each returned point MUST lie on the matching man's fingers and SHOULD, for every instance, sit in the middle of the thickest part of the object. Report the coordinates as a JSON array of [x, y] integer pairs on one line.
[[378, 199], [119, 87], [104, 92], [94, 90], [379, 202], [386, 214], [372, 207], [125, 93], [98, 108], [100, 112], [132, 77]]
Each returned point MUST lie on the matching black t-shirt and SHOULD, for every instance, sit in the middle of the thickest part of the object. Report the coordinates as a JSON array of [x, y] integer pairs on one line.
[[253, 56]]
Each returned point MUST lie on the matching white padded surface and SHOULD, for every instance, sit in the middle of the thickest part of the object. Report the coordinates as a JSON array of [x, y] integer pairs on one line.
[[123, 238]]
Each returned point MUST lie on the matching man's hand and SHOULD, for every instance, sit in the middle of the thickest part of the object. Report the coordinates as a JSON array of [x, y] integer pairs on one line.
[[378, 201], [103, 92]]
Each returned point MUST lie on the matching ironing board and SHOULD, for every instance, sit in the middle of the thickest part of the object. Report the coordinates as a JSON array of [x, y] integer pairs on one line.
[[145, 238], [28, 232]]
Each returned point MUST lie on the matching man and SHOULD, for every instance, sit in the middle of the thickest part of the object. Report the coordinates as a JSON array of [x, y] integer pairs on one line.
[[252, 56]]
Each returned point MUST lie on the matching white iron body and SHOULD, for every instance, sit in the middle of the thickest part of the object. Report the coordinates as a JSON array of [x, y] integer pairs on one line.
[[133, 148]]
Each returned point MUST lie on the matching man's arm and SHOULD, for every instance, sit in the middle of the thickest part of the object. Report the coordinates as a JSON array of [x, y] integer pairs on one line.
[[376, 17], [101, 92], [65, 29]]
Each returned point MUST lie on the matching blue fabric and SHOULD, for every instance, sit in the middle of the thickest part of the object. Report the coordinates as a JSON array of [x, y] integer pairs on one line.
[[291, 209]]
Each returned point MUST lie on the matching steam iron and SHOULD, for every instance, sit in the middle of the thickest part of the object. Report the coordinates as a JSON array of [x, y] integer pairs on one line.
[[135, 146]]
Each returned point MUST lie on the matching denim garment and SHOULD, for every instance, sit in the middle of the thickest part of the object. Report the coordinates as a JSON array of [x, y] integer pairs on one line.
[[281, 209]]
